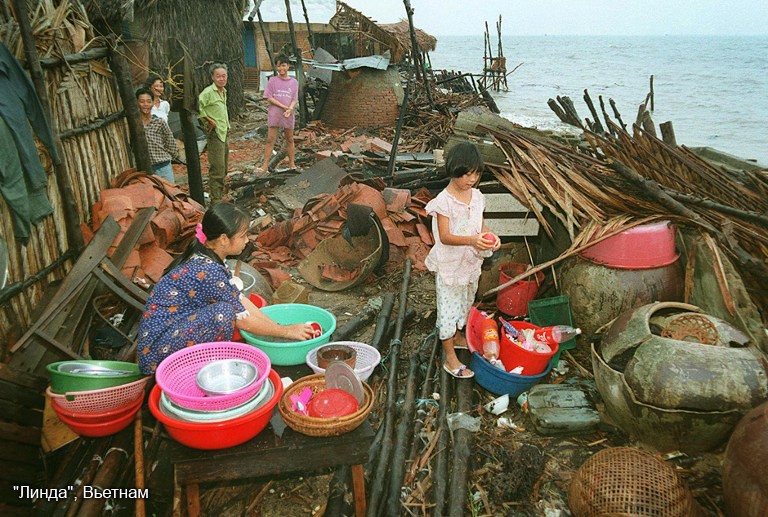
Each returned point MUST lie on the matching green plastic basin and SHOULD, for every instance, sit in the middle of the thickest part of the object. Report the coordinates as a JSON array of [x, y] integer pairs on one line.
[[294, 352], [64, 382]]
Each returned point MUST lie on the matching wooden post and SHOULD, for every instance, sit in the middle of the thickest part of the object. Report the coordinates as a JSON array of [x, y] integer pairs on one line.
[[647, 123], [69, 206], [310, 36], [651, 93], [186, 117], [299, 67], [266, 42], [416, 54], [597, 127], [132, 114], [398, 128], [668, 133], [617, 114]]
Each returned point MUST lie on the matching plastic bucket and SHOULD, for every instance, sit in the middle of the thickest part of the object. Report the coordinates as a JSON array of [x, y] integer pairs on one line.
[[513, 301], [512, 355]]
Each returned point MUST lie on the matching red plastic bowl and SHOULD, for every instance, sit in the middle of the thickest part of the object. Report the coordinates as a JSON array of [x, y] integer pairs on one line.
[[98, 418], [103, 428], [647, 246], [218, 435]]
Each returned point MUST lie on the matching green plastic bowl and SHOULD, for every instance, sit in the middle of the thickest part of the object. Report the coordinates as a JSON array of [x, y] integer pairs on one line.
[[63, 382], [294, 352]]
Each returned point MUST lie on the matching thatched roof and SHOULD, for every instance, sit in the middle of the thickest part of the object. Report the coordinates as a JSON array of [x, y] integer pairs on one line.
[[400, 30], [393, 35]]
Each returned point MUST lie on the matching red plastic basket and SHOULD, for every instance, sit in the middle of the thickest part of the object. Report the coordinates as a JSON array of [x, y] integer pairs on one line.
[[98, 418], [99, 401], [176, 374], [107, 428]]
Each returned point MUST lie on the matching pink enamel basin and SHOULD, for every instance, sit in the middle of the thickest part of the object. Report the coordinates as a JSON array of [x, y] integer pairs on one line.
[[646, 246]]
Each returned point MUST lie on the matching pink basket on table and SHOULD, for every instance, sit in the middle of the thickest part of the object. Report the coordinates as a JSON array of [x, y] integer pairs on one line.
[[176, 374], [99, 401]]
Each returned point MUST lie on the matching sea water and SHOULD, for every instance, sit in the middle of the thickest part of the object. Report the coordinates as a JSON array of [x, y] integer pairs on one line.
[[714, 89]]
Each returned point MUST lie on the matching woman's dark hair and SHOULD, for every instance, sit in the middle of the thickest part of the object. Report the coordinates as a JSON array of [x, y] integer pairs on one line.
[[282, 58], [463, 158], [151, 80], [220, 219], [143, 91]]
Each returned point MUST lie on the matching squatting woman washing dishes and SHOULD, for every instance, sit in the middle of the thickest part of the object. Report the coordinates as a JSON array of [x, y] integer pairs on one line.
[[196, 301]]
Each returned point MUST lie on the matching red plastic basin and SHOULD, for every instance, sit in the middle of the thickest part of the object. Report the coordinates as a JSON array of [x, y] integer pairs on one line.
[[115, 425], [98, 418], [647, 246], [512, 355], [218, 435]]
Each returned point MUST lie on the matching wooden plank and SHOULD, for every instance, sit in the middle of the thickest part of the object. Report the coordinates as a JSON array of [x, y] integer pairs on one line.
[[20, 395], [19, 433], [193, 500], [55, 433], [20, 453], [358, 489], [36, 383], [19, 414], [18, 473], [263, 457], [513, 227], [73, 282], [505, 203]]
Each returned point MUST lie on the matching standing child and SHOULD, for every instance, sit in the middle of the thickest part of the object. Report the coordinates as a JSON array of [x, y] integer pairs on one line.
[[282, 94], [456, 257]]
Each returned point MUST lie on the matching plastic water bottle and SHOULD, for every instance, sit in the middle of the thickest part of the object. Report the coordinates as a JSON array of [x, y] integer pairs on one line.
[[556, 334], [490, 333]]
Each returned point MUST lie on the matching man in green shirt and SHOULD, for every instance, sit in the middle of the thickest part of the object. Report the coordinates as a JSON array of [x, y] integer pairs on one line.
[[212, 105]]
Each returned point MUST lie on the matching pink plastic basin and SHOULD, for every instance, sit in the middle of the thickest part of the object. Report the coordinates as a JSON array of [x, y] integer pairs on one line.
[[646, 246]]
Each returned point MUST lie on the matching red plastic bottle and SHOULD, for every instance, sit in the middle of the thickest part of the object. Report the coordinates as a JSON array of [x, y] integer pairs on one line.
[[490, 332], [556, 334]]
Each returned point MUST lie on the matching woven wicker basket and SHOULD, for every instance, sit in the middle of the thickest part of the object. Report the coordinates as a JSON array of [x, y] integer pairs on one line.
[[313, 426], [627, 481]]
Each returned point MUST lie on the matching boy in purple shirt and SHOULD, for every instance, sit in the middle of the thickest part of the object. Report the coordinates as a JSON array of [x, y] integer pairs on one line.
[[282, 94]]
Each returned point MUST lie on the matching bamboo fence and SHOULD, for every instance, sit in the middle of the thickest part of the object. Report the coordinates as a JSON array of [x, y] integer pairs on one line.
[[87, 114]]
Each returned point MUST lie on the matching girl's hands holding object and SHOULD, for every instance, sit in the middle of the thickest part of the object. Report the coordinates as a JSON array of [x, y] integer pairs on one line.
[[492, 238]]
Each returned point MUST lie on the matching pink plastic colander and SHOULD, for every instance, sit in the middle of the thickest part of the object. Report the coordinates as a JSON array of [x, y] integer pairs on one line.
[[176, 374], [99, 401]]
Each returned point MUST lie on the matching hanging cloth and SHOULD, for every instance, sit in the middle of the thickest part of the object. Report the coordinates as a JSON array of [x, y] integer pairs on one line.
[[23, 180]]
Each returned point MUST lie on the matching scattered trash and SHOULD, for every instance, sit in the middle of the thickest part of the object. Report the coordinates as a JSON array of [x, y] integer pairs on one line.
[[463, 421]]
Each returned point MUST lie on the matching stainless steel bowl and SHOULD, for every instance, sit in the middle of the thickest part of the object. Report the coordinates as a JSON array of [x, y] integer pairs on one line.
[[226, 376]]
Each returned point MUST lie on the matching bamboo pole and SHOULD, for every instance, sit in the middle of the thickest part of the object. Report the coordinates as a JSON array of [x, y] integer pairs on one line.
[[138, 447], [402, 440], [441, 457], [462, 449], [378, 489]]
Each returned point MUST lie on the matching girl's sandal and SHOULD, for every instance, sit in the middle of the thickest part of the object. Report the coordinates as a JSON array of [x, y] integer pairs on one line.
[[460, 373]]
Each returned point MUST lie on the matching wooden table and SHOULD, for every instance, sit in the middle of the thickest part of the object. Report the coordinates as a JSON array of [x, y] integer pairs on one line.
[[267, 456]]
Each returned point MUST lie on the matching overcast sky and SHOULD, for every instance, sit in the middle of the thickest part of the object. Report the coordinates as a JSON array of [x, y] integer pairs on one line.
[[597, 17]]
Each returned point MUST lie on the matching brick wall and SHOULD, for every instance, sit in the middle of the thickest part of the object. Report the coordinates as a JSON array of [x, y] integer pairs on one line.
[[364, 98]]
